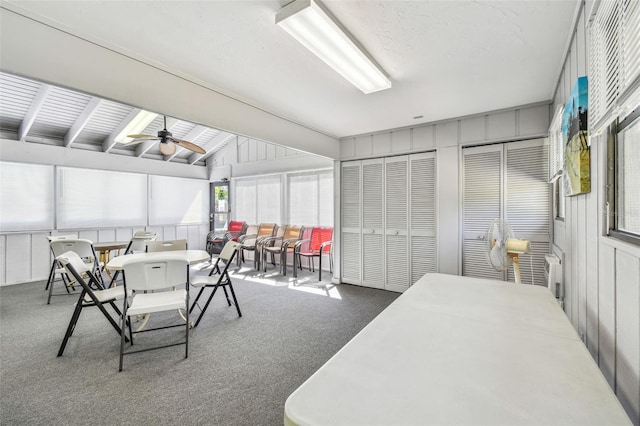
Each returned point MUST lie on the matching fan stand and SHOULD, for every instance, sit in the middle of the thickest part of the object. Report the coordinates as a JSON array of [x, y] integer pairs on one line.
[[516, 266]]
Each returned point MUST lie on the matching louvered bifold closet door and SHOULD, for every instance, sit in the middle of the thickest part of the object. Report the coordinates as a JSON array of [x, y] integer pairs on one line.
[[396, 215], [422, 215], [482, 203], [528, 203], [351, 230], [373, 271]]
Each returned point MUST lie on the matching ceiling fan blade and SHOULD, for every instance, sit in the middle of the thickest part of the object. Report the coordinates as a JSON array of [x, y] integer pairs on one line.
[[189, 145], [167, 148], [138, 140], [141, 136]]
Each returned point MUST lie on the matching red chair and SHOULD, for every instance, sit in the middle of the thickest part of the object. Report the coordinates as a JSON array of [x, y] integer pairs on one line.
[[215, 242], [319, 243]]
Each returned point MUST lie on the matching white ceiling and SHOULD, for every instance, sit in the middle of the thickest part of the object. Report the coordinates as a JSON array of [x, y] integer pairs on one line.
[[445, 58]]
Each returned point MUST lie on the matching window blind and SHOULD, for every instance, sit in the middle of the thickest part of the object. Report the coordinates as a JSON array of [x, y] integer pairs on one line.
[[26, 197], [269, 199], [614, 65], [178, 200], [97, 198]]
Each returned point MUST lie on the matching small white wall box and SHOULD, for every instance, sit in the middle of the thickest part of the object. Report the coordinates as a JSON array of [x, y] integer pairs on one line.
[[553, 274]]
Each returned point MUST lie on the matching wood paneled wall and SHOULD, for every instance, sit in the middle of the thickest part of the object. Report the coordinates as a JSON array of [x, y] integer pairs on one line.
[[601, 274]]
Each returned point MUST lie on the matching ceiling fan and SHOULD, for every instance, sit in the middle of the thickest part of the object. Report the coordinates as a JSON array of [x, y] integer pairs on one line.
[[167, 141]]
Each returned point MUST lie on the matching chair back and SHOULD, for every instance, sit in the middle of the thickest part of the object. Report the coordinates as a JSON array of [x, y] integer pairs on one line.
[[266, 229], [158, 274], [236, 228], [169, 245], [292, 234], [62, 237], [139, 241], [84, 248], [228, 251], [320, 235], [73, 264]]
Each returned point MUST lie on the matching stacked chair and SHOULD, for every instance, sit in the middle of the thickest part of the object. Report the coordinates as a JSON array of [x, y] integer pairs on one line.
[[251, 241], [215, 243], [282, 244], [138, 244]]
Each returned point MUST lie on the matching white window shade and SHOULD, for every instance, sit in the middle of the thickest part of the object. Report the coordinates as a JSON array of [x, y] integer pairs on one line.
[[303, 199], [556, 145], [97, 198], [178, 201], [244, 200], [269, 199], [325, 198], [26, 197]]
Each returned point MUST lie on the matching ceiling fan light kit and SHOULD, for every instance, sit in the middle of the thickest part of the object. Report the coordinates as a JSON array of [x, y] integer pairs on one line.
[[167, 144], [317, 30]]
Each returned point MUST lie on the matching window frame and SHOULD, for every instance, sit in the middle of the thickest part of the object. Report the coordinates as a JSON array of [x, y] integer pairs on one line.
[[612, 178]]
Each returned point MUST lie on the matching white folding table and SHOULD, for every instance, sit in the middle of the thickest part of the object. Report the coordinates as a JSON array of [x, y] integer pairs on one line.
[[464, 351]]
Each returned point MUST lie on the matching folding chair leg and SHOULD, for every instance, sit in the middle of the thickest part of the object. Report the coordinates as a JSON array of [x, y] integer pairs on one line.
[[320, 267], [206, 305], [226, 294], [72, 325], [52, 274], [235, 301], [195, 302]]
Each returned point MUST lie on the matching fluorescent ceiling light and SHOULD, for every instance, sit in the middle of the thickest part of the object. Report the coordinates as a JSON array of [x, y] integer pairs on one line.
[[135, 126], [319, 32]]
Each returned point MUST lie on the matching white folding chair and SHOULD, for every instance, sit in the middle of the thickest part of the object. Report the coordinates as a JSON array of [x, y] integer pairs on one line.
[[138, 244], [223, 280], [84, 249], [168, 245], [93, 294], [153, 285], [56, 269]]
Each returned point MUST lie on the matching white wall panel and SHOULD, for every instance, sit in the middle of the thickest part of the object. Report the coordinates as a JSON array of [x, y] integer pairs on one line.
[[348, 148], [501, 125], [18, 258], [422, 138], [40, 256], [472, 129], [400, 140], [533, 121], [3, 259], [381, 143], [107, 235], [364, 145], [607, 314], [447, 134], [628, 333]]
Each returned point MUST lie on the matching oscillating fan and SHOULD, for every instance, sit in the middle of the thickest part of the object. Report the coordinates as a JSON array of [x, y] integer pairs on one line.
[[503, 248]]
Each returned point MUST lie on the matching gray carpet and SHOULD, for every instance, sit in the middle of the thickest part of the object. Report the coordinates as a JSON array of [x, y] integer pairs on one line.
[[240, 371]]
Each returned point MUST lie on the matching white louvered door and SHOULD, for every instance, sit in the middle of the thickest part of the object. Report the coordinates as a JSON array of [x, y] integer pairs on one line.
[[396, 227], [351, 222], [528, 203], [482, 203], [506, 181], [373, 271], [422, 215]]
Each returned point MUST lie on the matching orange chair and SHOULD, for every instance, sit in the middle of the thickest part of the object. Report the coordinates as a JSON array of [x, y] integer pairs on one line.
[[250, 242], [281, 244], [318, 244]]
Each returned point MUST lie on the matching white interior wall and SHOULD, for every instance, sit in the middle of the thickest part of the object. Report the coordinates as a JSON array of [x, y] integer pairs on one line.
[[447, 138], [601, 274]]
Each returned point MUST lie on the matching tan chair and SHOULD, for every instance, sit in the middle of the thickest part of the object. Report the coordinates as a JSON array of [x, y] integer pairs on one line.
[[281, 245], [251, 241]]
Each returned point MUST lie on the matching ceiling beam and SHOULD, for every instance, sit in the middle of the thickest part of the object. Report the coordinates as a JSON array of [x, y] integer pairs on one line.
[[211, 147], [82, 121], [32, 112], [142, 148], [194, 134], [110, 141]]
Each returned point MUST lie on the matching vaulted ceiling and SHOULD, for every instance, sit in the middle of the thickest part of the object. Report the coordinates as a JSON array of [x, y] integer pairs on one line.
[[445, 59]]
